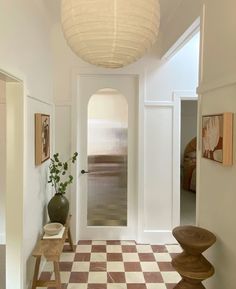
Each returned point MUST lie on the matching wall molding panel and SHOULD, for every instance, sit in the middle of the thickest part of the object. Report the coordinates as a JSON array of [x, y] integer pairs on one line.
[[41, 100], [150, 103], [158, 196]]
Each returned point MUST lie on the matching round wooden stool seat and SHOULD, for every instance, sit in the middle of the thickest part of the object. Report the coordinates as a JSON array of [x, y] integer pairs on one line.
[[194, 238], [191, 264]]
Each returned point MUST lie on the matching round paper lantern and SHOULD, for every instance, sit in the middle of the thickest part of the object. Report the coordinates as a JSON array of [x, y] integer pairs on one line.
[[110, 33]]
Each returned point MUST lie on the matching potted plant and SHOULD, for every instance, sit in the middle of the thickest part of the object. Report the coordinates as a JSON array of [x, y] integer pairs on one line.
[[58, 206]]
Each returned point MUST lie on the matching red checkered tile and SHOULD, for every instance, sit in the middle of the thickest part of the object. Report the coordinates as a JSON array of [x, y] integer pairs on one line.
[[99, 249], [146, 257], [116, 264], [153, 277], [129, 249], [132, 267], [114, 257], [79, 277], [116, 277], [82, 257], [98, 266]]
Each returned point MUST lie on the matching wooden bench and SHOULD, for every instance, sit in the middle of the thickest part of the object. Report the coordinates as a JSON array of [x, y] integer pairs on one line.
[[51, 249]]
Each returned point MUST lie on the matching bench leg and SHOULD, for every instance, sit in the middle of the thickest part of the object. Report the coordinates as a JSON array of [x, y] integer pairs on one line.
[[70, 240], [36, 272], [57, 274]]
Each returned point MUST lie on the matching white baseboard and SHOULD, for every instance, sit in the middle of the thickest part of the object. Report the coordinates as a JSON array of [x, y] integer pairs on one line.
[[157, 237], [2, 239]]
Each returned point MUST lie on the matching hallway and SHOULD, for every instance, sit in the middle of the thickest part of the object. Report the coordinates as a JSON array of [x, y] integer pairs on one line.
[[116, 265]]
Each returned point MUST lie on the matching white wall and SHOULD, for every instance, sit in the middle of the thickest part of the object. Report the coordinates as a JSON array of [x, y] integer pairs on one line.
[[188, 123], [217, 198], [25, 48], [178, 74], [25, 52], [2, 161], [63, 134], [38, 191], [159, 82]]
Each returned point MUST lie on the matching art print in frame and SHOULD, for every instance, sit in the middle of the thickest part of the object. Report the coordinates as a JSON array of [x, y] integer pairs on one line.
[[217, 138], [42, 138]]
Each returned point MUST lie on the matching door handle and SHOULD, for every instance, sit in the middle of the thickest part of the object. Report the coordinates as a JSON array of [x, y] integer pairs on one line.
[[84, 172]]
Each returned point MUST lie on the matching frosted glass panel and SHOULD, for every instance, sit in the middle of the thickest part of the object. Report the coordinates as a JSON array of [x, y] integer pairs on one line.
[[107, 159]]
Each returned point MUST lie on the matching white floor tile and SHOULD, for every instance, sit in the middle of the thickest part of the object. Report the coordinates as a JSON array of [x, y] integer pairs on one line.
[[174, 249], [115, 267], [80, 266], [144, 249], [48, 267], [165, 257], [156, 286], [134, 277], [116, 286], [77, 286], [65, 277], [99, 242], [171, 277], [114, 249], [97, 277], [67, 257], [98, 257], [83, 248], [149, 267], [130, 257]]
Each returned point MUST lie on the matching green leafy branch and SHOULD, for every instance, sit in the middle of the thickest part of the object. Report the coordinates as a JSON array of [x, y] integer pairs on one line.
[[57, 173]]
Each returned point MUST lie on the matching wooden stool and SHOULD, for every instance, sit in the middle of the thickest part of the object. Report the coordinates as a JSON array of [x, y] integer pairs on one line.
[[51, 249], [191, 264]]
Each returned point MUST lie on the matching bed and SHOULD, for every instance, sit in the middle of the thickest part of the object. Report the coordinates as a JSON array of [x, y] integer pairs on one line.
[[189, 166]]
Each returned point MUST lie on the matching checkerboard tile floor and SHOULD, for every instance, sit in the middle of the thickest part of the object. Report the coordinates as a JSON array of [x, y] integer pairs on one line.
[[116, 265]]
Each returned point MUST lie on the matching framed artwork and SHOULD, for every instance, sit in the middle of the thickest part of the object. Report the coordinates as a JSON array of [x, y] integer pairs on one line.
[[217, 138], [42, 138]]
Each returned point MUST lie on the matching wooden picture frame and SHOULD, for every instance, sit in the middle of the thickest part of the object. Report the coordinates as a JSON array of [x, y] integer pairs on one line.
[[42, 138], [217, 138]]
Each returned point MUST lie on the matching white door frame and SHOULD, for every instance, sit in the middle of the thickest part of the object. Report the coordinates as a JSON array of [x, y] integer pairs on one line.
[[15, 179], [178, 96], [76, 73]]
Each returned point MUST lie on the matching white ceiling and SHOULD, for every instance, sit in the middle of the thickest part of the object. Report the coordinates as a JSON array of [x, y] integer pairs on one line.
[[167, 9]]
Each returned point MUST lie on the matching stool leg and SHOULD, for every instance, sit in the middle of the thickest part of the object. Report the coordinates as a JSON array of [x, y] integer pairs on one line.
[[70, 240], [57, 274], [36, 272]]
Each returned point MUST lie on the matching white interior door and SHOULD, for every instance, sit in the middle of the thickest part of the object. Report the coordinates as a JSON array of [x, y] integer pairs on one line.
[[107, 143]]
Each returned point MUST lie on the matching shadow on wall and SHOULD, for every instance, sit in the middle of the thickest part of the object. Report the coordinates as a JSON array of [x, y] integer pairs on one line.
[[2, 266]]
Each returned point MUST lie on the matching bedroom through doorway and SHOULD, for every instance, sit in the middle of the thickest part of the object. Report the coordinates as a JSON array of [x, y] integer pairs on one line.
[[188, 162]]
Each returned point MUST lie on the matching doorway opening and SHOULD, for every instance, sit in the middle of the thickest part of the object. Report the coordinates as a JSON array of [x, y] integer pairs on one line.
[[189, 109], [107, 150], [185, 129], [12, 180]]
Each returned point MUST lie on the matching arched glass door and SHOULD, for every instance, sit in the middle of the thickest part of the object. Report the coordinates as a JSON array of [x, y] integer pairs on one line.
[[107, 150]]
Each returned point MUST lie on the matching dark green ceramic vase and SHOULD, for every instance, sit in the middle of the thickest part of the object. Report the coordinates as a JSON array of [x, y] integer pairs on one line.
[[58, 209]]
